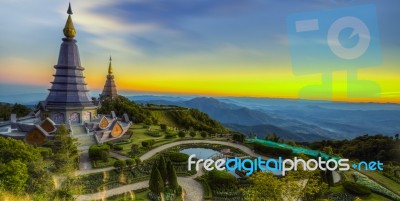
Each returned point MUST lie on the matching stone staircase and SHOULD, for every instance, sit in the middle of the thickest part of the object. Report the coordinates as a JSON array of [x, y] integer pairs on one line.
[[78, 129], [84, 139]]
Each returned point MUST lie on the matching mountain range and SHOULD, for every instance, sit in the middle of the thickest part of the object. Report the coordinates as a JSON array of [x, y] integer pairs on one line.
[[299, 120]]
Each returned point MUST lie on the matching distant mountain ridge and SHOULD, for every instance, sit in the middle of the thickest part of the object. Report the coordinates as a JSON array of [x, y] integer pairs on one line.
[[295, 119]]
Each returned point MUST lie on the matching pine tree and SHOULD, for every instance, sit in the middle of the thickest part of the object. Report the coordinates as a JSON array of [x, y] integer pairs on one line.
[[162, 168], [156, 183], [172, 179]]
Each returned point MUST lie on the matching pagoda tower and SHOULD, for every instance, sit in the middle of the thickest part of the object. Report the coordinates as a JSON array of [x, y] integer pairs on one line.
[[68, 101], [110, 90]]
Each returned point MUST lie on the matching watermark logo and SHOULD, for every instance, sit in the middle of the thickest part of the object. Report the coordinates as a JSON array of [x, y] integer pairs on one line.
[[280, 165], [333, 40]]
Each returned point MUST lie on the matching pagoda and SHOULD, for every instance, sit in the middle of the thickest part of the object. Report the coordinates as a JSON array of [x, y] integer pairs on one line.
[[109, 90], [68, 101]]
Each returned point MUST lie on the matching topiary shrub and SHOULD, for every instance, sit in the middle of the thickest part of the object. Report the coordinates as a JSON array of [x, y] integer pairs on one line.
[[356, 189], [95, 151], [118, 147], [178, 157], [170, 135], [181, 134], [220, 178]]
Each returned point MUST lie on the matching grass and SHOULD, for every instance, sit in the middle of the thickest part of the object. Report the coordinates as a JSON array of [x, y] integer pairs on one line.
[[382, 180], [139, 136], [373, 197]]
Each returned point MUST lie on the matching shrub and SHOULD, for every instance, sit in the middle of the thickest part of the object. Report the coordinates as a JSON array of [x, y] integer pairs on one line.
[[118, 147], [373, 186], [170, 135], [163, 127], [134, 149], [153, 133], [119, 164], [138, 161], [220, 178], [181, 134], [178, 157], [104, 155], [238, 137], [203, 134], [148, 143], [261, 148], [95, 151], [356, 189], [192, 134], [130, 162], [110, 144], [45, 152]]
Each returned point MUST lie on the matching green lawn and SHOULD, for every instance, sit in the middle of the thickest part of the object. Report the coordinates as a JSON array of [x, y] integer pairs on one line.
[[373, 197], [382, 180], [139, 136]]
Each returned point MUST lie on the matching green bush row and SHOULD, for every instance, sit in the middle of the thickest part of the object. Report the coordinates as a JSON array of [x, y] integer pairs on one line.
[[275, 151], [356, 189]]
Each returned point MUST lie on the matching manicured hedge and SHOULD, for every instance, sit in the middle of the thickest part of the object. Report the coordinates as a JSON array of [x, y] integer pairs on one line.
[[178, 157], [95, 151], [356, 189], [220, 178], [118, 147], [153, 133], [148, 143], [261, 148]]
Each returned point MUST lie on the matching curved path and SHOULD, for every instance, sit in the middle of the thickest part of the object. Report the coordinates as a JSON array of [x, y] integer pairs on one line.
[[154, 151], [193, 188]]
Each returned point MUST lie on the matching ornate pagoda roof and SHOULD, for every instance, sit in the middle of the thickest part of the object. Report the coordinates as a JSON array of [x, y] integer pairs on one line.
[[68, 89], [110, 89]]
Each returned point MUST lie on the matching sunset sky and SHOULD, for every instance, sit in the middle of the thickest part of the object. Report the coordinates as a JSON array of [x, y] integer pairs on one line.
[[199, 47]]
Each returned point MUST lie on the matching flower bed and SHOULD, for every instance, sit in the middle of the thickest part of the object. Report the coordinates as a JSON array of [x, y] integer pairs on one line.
[[375, 187]]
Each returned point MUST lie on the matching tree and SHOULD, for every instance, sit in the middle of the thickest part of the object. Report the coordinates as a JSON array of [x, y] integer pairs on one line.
[[121, 105], [20, 110], [272, 137], [156, 183], [172, 179], [192, 133], [65, 151], [130, 162], [134, 149], [16, 157], [265, 186], [203, 134], [181, 134], [328, 150], [119, 165], [162, 167], [138, 161], [13, 176]]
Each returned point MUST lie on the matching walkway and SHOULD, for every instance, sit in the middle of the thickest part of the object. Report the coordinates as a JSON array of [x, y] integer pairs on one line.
[[154, 151], [193, 188]]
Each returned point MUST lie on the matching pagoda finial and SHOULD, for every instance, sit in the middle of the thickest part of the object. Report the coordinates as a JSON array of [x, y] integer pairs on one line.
[[110, 67], [69, 11], [69, 29]]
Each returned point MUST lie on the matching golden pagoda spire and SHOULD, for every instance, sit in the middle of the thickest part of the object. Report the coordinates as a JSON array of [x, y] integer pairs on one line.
[[110, 71], [69, 29]]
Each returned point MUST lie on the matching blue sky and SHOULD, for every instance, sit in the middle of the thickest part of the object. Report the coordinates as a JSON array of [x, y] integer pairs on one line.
[[206, 45]]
